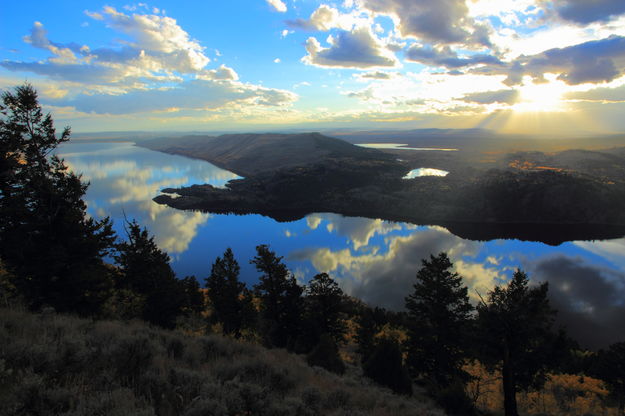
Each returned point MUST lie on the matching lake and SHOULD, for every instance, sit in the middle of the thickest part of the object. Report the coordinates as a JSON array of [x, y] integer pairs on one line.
[[373, 259]]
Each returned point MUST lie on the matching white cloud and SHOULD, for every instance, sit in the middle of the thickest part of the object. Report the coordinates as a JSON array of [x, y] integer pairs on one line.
[[130, 77], [278, 5]]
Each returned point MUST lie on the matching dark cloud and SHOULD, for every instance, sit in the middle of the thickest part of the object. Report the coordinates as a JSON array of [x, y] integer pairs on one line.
[[447, 58], [490, 97], [437, 22], [588, 11], [358, 48], [590, 299], [589, 62]]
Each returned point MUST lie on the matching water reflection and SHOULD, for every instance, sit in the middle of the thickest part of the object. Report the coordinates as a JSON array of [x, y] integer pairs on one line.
[[373, 259], [400, 146], [416, 173], [124, 179]]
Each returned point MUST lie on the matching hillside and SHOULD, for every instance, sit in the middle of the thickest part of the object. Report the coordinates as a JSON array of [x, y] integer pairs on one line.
[[62, 365], [250, 154]]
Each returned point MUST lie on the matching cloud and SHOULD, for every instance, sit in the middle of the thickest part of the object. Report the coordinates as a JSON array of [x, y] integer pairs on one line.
[[437, 22], [324, 18], [589, 62], [585, 11], [160, 38], [376, 75], [196, 94], [158, 68], [491, 97], [447, 58], [385, 279], [223, 73], [158, 49], [590, 299], [358, 49], [599, 94], [277, 5]]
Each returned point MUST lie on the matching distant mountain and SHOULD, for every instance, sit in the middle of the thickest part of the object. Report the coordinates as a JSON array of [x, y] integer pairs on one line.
[[250, 154]]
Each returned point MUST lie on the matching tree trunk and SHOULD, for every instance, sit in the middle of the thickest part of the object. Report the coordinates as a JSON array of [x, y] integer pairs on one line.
[[509, 386]]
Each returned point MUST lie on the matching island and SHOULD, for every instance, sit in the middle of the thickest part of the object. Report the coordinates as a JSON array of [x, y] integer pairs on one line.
[[531, 195]]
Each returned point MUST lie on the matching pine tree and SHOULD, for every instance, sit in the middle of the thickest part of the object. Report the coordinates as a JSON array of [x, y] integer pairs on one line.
[[146, 271], [324, 305], [194, 302], [46, 239], [438, 316], [226, 294], [281, 299], [515, 330], [610, 367], [370, 322]]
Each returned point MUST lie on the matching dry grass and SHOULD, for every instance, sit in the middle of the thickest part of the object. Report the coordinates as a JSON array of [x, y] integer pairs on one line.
[[60, 365]]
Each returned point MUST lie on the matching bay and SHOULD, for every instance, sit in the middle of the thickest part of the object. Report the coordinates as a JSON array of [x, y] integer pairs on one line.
[[373, 259]]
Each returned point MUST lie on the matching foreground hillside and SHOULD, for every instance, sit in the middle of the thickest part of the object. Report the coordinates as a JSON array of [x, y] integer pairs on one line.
[[60, 365]]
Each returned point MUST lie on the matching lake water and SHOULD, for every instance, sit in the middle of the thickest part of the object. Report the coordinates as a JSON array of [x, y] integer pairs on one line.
[[417, 173], [373, 259]]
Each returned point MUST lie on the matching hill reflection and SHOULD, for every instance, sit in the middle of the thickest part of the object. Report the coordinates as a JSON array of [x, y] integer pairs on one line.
[[374, 259]]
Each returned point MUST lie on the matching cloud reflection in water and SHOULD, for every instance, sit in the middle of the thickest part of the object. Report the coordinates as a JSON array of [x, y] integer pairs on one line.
[[373, 259]]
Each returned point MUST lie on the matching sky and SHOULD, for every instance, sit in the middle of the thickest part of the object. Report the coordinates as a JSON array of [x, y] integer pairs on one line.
[[514, 66]]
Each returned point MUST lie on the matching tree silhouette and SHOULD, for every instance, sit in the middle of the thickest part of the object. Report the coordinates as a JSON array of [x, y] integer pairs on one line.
[[226, 294], [515, 330], [146, 271], [194, 302], [438, 316], [324, 305], [281, 299], [326, 355], [385, 366], [610, 367], [370, 322], [46, 240]]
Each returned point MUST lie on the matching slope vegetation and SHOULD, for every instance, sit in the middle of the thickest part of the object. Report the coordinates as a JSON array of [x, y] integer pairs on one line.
[[60, 365]]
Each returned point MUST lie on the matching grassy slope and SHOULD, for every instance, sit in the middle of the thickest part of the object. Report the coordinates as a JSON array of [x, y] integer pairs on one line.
[[60, 365]]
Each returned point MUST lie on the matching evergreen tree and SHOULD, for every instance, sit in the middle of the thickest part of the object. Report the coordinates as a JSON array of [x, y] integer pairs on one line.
[[385, 366], [370, 322], [438, 316], [515, 330], [146, 271], [194, 302], [46, 240], [226, 294], [610, 367], [281, 299], [324, 305]]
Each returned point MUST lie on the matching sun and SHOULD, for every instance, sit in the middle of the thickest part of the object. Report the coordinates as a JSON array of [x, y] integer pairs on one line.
[[541, 97]]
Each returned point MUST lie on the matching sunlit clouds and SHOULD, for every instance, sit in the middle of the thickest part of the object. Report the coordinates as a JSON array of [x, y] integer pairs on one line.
[[409, 63]]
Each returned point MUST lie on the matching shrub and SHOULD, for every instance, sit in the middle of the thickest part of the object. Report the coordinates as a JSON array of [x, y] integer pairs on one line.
[[385, 367], [326, 355]]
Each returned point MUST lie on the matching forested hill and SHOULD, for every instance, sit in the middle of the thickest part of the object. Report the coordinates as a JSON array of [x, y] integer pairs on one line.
[[250, 154]]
